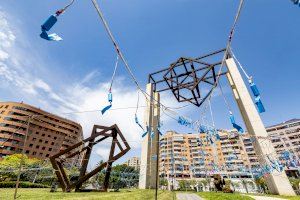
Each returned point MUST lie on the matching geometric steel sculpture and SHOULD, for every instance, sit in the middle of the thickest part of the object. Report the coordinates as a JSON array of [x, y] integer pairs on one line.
[[85, 147], [190, 79]]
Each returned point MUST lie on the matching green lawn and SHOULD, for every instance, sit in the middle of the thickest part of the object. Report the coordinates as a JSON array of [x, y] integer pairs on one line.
[[237, 196], [278, 196], [44, 194], [222, 196]]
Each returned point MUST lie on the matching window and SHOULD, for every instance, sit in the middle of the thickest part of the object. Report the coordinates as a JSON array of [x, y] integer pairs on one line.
[[49, 135], [46, 142], [43, 148], [37, 147], [37, 133], [34, 153], [55, 138], [27, 152], [33, 139], [43, 134], [52, 143], [30, 145], [40, 140], [50, 149], [47, 155], [41, 154]]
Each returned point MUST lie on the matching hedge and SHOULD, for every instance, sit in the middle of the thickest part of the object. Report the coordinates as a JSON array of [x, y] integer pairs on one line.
[[12, 184]]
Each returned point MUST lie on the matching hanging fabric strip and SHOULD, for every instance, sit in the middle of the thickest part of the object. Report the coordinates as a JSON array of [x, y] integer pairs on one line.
[[256, 94], [158, 129], [50, 22], [138, 123], [152, 134], [253, 87], [275, 164], [236, 126], [110, 96], [259, 105], [106, 108], [135, 115], [296, 2], [285, 155], [146, 132], [217, 135]]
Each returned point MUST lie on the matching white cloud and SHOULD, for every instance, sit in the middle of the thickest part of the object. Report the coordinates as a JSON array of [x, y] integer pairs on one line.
[[80, 96], [3, 55], [42, 85]]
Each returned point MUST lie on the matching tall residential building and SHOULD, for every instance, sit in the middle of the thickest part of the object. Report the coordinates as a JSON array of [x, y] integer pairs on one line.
[[234, 152], [47, 133], [284, 137], [133, 162], [193, 156]]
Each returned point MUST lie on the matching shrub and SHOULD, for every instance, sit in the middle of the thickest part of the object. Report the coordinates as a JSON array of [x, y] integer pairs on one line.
[[227, 190], [12, 184]]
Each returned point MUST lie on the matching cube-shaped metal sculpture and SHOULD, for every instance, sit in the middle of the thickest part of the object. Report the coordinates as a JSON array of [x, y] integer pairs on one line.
[[99, 134], [190, 79]]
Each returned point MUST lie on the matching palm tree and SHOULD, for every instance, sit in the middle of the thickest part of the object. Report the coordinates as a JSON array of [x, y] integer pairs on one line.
[[245, 182]]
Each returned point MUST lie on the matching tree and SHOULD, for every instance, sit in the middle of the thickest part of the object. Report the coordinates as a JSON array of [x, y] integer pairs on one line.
[[245, 182], [295, 183], [261, 183], [163, 182], [204, 182], [122, 176], [10, 164], [182, 184], [34, 170]]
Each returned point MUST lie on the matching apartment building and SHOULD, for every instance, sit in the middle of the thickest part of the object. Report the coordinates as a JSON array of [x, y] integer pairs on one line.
[[133, 162], [284, 137], [192, 156], [234, 152], [47, 133]]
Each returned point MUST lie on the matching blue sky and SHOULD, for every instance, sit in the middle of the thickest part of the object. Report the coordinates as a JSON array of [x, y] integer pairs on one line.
[[74, 74]]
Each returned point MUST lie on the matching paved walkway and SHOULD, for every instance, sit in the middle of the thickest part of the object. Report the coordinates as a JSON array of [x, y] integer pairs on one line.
[[186, 196], [264, 197]]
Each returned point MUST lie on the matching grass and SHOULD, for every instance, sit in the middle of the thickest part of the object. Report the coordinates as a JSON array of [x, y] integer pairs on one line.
[[222, 196], [277, 196], [237, 196], [44, 194]]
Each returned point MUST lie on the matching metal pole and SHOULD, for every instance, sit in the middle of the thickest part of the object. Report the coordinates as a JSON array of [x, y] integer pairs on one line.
[[157, 165], [22, 158]]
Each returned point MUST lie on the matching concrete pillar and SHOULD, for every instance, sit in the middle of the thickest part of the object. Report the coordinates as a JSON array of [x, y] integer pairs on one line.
[[277, 182], [144, 181], [148, 168]]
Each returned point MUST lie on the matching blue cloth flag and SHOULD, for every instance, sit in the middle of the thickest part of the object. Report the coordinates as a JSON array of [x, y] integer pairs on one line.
[[259, 105], [257, 99], [144, 134], [106, 108], [236, 126], [138, 123], [48, 24]]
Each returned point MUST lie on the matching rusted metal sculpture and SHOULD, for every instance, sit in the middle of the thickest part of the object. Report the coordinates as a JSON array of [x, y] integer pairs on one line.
[[190, 79], [84, 148]]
